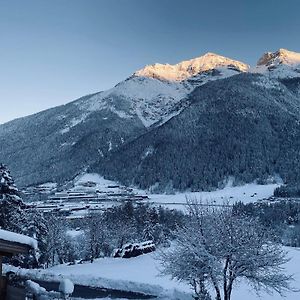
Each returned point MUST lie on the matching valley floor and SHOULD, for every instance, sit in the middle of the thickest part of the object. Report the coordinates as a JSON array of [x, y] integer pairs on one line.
[[229, 195]]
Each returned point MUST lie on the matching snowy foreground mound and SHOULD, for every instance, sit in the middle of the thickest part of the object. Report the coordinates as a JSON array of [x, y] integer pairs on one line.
[[141, 274]]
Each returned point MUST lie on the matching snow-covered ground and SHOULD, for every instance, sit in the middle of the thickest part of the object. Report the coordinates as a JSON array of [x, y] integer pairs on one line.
[[101, 184], [230, 194], [247, 193], [141, 274], [101, 194], [145, 269]]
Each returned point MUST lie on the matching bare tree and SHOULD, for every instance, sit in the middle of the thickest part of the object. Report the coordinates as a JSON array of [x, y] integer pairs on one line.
[[215, 248]]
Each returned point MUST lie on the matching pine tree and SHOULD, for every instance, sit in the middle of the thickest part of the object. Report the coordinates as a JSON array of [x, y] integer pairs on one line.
[[16, 216], [12, 216], [7, 184]]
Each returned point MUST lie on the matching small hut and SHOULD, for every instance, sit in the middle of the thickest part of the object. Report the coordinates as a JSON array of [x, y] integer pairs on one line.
[[11, 244]]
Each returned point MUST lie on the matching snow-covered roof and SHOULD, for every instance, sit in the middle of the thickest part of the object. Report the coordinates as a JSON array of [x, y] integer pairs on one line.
[[13, 237]]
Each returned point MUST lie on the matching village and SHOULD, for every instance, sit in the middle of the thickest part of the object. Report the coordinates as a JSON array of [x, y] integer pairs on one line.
[[87, 195]]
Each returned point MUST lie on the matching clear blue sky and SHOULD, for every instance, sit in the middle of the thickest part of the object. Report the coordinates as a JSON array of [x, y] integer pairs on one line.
[[54, 51]]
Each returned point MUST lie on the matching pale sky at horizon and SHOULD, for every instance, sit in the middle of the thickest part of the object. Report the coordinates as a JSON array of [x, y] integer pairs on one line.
[[53, 52]]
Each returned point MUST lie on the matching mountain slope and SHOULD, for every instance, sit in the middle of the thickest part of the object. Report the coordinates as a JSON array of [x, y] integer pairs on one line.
[[57, 144], [45, 147], [246, 126]]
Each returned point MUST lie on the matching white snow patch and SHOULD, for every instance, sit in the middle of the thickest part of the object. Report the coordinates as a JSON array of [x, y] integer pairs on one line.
[[35, 288], [110, 147], [147, 98], [93, 177], [74, 233], [67, 144], [73, 123], [100, 152], [66, 286], [148, 152], [49, 185]]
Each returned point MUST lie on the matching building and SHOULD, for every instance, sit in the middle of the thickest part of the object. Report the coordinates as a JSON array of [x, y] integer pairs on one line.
[[11, 244]]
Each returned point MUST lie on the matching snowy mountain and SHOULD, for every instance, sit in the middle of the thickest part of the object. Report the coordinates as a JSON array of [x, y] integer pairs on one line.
[[244, 127], [154, 92], [190, 68], [57, 144], [147, 98], [154, 108], [280, 64]]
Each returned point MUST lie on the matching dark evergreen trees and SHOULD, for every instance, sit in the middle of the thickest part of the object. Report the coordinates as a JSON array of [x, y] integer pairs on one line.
[[236, 127], [18, 217], [12, 216]]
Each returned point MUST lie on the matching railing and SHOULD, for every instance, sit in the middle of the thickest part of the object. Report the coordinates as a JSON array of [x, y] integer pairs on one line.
[[17, 290], [35, 292], [44, 296]]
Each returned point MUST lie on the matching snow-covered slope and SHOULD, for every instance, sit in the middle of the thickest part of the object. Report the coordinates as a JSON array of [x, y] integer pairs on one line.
[[187, 69], [153, 93], [280, 64], [147, 98]]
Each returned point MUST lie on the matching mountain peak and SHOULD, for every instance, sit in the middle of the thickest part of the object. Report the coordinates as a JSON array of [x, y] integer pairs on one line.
[[279, 57], [190, 68]]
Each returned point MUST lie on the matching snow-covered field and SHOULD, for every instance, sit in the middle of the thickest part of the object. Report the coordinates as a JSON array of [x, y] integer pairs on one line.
[[141, 274], [230, 194], [246, 194]]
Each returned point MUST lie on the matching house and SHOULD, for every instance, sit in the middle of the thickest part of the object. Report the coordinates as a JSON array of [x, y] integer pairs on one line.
[[11, 244]]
